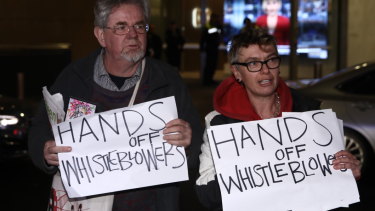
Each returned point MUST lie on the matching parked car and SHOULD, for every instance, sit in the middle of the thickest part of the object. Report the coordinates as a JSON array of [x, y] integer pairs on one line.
[[15, 117], [350, 93]]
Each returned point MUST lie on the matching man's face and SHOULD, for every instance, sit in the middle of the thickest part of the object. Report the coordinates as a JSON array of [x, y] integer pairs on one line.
[[132, 45], [264, 82]]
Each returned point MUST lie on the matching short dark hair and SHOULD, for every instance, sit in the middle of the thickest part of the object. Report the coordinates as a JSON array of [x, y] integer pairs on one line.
[[103, 9], [247, 20], [253, 36]]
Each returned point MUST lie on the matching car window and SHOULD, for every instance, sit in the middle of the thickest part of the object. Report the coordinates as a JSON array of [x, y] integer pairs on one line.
[[363, 84]]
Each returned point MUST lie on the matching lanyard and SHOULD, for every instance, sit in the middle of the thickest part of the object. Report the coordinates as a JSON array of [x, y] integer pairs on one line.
[[131, 102]]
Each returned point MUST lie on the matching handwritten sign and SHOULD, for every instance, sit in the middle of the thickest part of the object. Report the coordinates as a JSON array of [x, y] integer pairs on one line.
[[282, 163], [120, 149]]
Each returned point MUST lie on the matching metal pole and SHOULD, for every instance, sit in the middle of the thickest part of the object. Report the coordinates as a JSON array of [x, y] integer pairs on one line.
[[342, 38], [293, 57], [318, 69], [203, 12], [21, 85], [202, 53]]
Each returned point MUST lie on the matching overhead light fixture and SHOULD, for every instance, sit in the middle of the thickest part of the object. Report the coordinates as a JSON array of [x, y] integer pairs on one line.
[[196, 16]]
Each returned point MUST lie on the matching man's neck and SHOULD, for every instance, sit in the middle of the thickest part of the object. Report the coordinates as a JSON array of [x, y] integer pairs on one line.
[[120, 67]]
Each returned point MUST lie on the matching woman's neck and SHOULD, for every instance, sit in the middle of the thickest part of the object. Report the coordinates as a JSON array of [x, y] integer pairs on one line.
[[266, 107]]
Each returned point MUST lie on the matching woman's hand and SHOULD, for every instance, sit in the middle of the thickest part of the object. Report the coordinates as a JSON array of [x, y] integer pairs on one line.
[[345, 160]]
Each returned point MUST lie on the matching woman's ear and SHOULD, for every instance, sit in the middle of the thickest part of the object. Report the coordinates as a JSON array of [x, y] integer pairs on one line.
[[235, 72], [99, 34]]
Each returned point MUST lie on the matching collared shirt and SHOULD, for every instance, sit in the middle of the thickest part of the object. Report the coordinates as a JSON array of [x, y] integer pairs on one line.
[[102, 78]]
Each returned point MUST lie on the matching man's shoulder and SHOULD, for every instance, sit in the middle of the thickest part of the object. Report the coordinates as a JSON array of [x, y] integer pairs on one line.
[[157, 62], [83, 66], [161, 73], [88, 60], [157, 65]]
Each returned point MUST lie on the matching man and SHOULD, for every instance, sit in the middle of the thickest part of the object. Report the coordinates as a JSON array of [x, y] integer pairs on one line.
[[115, 76]]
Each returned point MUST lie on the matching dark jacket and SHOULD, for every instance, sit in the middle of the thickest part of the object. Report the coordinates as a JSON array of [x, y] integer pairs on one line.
[[76, 81], [209, 193]]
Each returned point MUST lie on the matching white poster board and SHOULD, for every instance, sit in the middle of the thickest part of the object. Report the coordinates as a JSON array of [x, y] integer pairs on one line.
[[282, 164], [120, 149]]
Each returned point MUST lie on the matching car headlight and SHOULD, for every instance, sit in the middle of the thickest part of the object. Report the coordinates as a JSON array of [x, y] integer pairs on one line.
[[6, 120]]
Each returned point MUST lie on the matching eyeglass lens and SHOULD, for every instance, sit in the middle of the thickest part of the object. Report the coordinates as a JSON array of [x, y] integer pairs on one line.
[[271, 63], [124, 29]]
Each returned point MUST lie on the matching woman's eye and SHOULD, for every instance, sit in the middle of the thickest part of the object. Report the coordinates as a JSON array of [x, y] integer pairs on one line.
[[252, 63]]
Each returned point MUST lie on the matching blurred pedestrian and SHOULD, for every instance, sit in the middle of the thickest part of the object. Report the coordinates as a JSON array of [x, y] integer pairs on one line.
[[175, 43], [248, 25], [209, 44], [154, 43]]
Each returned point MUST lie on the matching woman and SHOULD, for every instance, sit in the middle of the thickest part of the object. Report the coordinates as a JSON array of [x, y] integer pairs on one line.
[[254, 92], [276, 24]]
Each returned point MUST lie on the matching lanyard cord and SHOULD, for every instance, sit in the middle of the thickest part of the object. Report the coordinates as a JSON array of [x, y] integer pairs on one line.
[[131, 102]]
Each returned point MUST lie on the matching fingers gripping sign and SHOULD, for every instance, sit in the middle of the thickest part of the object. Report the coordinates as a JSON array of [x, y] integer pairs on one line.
[[50, 152], [178, 132], [345, 160]]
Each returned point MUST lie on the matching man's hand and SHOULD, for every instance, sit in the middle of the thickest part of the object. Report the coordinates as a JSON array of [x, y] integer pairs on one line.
[[51, 150], [178, 132]]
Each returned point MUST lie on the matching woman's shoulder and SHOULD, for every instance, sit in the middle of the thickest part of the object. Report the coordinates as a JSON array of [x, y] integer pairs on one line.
[[220, 119]]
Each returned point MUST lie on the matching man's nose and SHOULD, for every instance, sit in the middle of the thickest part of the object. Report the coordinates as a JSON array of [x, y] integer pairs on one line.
[[132, 32]]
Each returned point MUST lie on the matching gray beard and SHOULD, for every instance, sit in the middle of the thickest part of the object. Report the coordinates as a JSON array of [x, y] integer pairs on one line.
[[133, 57]]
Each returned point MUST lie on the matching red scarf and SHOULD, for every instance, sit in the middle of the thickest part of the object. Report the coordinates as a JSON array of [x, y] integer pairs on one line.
[[231, 100]]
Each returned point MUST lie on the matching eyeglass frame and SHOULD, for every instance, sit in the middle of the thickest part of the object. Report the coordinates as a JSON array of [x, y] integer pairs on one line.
[[127, 28], [246, 64]]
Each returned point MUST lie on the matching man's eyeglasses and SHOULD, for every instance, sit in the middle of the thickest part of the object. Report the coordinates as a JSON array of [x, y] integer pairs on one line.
[[256, 66], [124, 29]]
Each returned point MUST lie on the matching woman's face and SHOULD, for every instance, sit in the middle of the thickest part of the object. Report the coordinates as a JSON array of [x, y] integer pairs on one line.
[[271, 7], [262, 83]]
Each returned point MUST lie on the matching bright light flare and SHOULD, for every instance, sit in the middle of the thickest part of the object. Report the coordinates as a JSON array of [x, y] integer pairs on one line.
[[6, 120]]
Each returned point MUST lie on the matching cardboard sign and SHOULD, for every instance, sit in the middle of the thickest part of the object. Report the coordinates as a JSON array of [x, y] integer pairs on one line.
[[120, 149], [282, 163]]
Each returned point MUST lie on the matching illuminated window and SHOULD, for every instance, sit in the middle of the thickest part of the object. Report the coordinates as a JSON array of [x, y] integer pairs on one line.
[[196, 16]]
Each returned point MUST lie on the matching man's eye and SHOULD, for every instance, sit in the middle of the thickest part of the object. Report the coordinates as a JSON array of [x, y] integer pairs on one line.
[[139, 26], [120, 27]]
